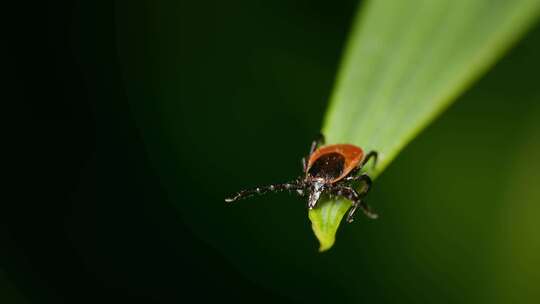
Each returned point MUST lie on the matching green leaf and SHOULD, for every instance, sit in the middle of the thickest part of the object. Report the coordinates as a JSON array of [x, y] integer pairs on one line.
[[405, 63], [325, 221]]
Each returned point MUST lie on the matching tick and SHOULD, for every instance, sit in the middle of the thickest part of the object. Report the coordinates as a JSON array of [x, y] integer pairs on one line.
[[332, 170]]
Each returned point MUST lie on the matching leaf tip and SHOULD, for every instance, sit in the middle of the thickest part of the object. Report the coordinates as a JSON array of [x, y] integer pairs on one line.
[[325, 221], [326, 239]]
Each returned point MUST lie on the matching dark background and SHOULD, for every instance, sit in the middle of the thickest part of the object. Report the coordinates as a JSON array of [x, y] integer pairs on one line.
[[135, 120]]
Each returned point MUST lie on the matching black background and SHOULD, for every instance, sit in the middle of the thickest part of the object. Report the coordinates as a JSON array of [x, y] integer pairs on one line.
[[82, 229]]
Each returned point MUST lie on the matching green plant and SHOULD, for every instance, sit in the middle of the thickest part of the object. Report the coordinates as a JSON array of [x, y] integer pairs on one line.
[[405, 63]]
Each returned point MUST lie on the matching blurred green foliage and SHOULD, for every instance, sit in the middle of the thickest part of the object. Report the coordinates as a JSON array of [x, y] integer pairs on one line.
[[229, 95], [405, 62]]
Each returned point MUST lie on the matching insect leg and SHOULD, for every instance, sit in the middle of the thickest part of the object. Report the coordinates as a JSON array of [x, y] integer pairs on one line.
[[370, 155], [353, 175], [292, 186], [319, 140], [356, 198]]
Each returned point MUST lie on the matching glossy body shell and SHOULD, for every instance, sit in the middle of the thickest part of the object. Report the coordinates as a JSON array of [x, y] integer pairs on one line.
[[334, 162]]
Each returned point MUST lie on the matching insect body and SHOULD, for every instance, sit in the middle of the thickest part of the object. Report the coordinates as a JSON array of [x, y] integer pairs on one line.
[[332, 170]]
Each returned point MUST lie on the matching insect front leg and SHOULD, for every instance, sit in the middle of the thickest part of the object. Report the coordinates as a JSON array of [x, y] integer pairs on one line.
[[292, 186]]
